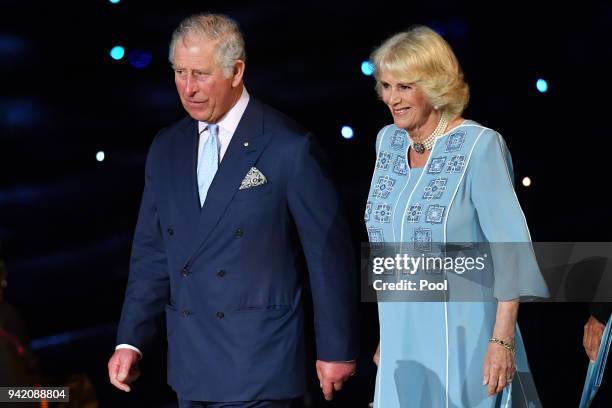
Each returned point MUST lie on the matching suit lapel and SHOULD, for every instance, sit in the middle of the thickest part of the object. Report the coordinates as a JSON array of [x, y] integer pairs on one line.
[[185, 179], [247, 144]]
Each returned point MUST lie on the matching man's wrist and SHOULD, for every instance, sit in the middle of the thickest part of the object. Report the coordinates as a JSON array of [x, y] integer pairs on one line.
[[128, 346]]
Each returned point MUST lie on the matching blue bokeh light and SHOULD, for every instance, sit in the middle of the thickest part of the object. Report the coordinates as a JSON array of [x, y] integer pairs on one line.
[[117, 52], [11, 46], [542, 85], [367, 68], [19, 113], [140, 59], [347, 132]]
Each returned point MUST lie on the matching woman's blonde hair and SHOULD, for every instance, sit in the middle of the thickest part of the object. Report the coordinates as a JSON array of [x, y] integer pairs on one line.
[[423, 57]]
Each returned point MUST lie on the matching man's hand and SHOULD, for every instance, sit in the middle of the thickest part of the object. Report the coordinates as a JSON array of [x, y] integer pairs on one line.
[[332, 375], [593, 330], [376, 357], [123, 368]]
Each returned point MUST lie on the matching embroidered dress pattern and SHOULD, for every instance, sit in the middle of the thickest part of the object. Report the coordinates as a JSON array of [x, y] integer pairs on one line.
[[368, 211], [435, 189], [382, 213], [398, 139], [384, 187], [455, 141], [422, 239], [456, 164], [400, 167], [434, 214], [375, 235], [414, 213], [384, 159], [436, 165]]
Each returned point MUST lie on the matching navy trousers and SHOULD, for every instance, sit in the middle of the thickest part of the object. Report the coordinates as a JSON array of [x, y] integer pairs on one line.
[[241, 404]]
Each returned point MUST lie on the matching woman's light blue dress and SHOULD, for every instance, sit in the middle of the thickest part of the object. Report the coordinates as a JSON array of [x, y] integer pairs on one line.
[[432, 353]]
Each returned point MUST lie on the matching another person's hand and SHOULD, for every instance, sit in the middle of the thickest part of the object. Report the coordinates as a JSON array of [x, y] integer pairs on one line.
[[123, 368], [593, 330], [332, 375], [499, 368], [376, 356]]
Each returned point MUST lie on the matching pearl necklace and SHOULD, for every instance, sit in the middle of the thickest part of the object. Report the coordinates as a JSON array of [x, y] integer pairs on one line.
[[424, 145]]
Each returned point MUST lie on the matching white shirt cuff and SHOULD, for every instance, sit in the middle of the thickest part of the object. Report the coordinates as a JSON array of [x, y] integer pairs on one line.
[[127, 346]]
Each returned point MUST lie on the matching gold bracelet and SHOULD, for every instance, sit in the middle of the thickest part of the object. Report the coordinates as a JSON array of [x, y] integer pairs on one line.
[[503, 344]]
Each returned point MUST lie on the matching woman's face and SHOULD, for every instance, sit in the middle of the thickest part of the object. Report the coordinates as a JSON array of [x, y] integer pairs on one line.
[[407, 102]]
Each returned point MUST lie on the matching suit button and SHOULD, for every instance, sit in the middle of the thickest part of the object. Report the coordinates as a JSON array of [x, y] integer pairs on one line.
[[221, 273], [170, 231], [239, 232], [184, 272], [186, 312], [220, 315]]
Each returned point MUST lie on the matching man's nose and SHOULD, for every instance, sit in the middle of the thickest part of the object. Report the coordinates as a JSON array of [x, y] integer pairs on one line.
[[190, 85]]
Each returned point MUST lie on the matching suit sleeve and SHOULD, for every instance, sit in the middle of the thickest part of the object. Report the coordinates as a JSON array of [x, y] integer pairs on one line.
[[325, 237], [148, 284]]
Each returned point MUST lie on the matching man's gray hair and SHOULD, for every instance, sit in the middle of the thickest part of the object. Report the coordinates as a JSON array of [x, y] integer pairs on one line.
[[215, 27]]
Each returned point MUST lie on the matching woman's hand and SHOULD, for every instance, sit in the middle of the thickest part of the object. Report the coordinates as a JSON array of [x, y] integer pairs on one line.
[[499, 363], [499, 368]]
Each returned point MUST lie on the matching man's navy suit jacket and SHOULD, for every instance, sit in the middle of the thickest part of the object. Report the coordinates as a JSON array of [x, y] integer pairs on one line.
[[227, 273]]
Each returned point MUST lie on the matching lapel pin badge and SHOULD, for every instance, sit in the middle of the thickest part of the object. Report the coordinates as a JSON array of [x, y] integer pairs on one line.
[[246, 144]]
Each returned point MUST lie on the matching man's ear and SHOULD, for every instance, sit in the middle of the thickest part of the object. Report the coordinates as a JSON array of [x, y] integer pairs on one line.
[[238, 73]]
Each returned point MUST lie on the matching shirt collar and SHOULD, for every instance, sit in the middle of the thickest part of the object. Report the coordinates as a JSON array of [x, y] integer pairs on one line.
[[229, 121]]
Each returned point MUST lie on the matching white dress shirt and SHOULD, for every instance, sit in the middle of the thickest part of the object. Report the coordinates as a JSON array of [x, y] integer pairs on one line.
[[227, 126]]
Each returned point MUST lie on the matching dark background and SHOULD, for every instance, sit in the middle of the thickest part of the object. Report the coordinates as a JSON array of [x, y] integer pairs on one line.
[[66, 220]]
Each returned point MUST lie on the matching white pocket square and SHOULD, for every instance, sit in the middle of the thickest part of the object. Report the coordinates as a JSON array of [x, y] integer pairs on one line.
[[253, 178]]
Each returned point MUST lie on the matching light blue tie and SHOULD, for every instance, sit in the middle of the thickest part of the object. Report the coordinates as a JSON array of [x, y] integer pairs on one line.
[[209, 162]]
